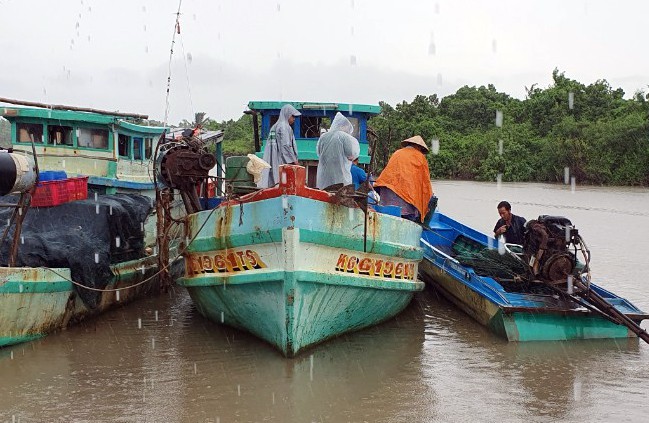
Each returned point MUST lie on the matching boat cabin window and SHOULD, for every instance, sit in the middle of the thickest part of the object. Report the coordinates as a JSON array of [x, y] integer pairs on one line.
[[137, 149], [357, 130], [273, 120], [148, 147], [310, 126], [124, 145], [26, 131], [92, 138], [59, 135]]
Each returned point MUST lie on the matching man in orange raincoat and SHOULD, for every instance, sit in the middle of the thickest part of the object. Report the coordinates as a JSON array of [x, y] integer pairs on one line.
[[405, 181]]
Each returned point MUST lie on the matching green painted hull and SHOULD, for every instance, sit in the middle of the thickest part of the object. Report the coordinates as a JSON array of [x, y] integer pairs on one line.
[[296, 270], [516, 324], [37, 301], [295, 310]]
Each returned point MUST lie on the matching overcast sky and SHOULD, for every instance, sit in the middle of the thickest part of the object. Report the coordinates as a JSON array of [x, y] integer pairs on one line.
[[114, 54]]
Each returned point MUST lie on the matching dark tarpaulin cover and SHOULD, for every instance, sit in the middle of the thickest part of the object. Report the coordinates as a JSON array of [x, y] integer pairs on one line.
[[85, 236]]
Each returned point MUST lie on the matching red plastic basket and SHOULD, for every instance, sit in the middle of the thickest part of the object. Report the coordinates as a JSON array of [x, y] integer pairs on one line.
[[50, 193], [77, 188]]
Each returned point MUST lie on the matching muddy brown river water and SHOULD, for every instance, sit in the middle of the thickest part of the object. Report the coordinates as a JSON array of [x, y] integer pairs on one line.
[[159, 361]]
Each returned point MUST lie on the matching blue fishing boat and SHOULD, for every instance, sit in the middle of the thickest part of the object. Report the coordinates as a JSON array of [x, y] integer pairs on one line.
[[294, 265], [488, 281]]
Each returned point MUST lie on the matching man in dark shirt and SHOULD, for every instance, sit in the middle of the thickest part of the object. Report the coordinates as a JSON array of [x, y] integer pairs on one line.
[[510, 226]]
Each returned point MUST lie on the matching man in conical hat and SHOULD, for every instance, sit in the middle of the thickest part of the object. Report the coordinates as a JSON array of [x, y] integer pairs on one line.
[[405, 181]]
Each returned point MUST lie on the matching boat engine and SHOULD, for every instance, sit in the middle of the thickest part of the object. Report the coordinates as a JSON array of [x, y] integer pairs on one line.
[[17, 172], [546, 247], [183, 164]]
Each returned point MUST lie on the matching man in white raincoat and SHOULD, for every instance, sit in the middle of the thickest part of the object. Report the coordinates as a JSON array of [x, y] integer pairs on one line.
[[336, 150], [280, 146]]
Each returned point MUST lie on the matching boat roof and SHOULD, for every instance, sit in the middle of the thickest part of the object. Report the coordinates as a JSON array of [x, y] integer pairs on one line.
[[320, 106], [17, 113]]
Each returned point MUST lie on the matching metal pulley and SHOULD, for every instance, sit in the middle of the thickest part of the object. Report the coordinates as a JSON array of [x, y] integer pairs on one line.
[[17, 173]]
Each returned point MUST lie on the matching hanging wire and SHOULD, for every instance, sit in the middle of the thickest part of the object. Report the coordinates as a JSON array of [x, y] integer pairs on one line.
[[189, 88], [171, 53]]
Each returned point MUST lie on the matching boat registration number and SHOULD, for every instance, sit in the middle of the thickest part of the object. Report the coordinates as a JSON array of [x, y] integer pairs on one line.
[[375, 267], [230, 261]]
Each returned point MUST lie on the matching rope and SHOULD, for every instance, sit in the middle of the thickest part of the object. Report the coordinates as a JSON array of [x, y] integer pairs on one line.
[[164, 268]]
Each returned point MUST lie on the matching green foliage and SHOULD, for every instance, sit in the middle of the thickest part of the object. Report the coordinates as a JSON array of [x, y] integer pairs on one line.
[[591, 129], [237, 135]]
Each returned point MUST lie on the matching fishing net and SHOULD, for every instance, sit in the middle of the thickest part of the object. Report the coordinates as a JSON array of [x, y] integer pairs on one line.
[[85, 236]]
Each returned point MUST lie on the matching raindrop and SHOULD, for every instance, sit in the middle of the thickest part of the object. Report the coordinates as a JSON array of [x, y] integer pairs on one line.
[[20, 211], [139, 323], [63, 163], [350, 109], [88, 38], [95, 196], [117, 296], [156, 315], [499, 180], [573, 184], [439, 79], [222, 313], [431, 49], [150, 83], [279, 7], [490, 243], [437, 8], [142, 226], [566, 175], [239, 390], [568, 229], [21, 288], [77, 25], [144, 9], [22, 239], [571, 100], [72, 41], [577, 390], [195, 369], [311, 367], [12, 355], [144, 27], [352, 3], [570, 285], [352, 60], [190, 58], [146, 49], [351, 31], [194, 16], [144, 271], [153, 343], [110, 210], [273, 396], [499, 118], [89, 9], [435, 146], [501, 246], [500, 147], [44, 91], [96, 257], [494, 45], [118, 241]]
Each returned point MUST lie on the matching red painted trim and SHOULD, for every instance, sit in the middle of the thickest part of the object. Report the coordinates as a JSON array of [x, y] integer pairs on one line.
[[292, 182]]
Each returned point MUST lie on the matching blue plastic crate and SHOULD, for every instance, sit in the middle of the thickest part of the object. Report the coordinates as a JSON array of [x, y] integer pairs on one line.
[[52, 175]]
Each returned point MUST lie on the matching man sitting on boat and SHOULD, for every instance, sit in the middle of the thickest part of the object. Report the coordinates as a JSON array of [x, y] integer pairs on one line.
[[405, 181], [280, 147], [358, 174], [336, 149], [510, 226]]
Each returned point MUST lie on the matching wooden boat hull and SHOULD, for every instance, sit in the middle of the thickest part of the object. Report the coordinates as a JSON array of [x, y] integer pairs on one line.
[[292, 271], [37, 301], [514, 316], [531, 324]]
